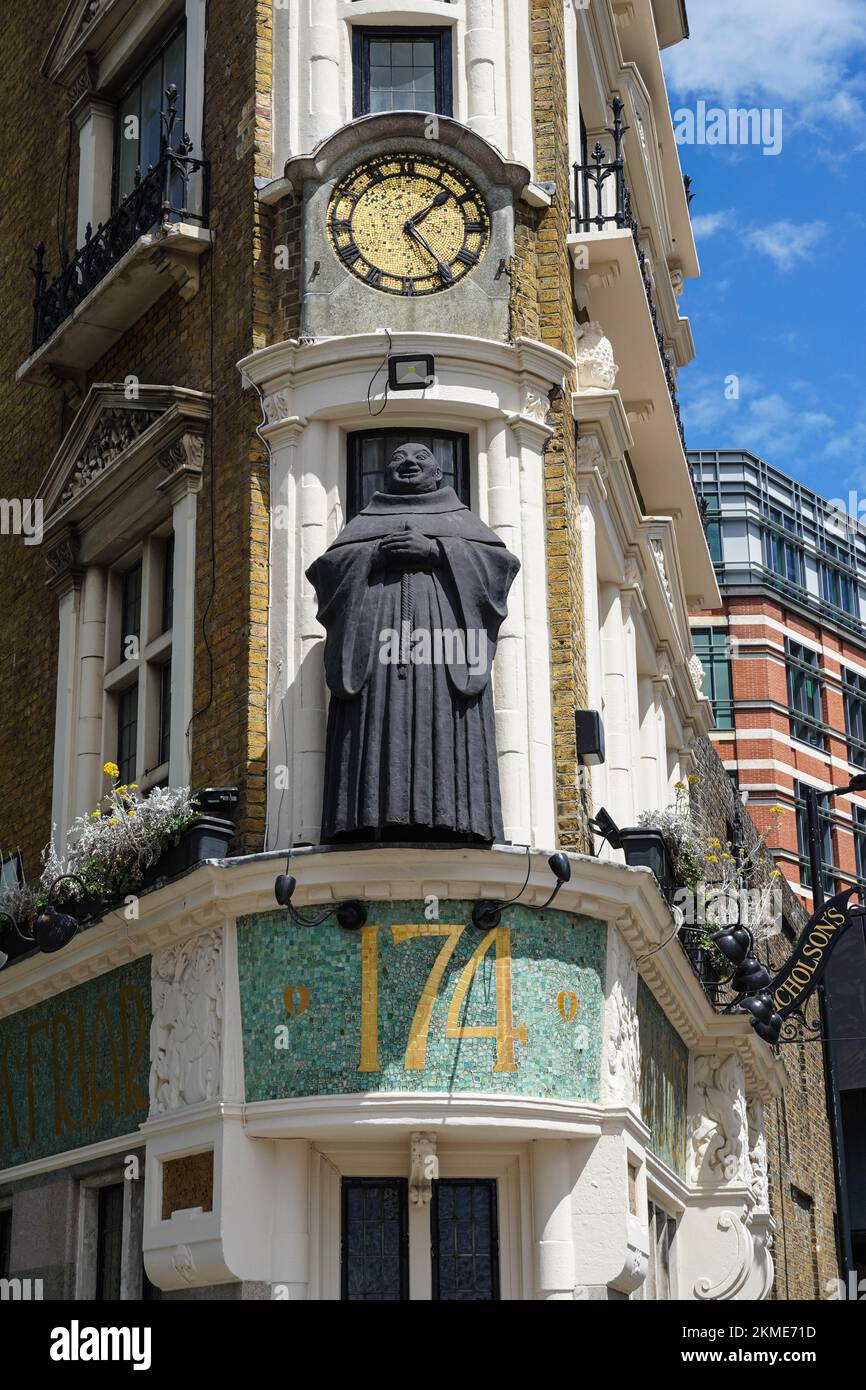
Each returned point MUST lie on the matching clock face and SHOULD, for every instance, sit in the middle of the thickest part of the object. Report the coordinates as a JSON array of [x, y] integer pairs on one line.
[[408, 224]]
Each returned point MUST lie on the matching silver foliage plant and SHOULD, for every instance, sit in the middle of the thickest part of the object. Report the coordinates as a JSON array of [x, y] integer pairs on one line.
[[111, 849]]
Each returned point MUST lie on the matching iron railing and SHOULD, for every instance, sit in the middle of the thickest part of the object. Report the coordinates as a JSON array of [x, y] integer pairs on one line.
[[595, 210], [151, 203]]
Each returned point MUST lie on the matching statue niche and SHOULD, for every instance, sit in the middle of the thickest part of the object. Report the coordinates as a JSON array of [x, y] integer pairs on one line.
[[412, 595]]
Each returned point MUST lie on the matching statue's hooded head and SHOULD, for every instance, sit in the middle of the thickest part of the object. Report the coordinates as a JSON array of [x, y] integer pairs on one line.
[[412, 468]]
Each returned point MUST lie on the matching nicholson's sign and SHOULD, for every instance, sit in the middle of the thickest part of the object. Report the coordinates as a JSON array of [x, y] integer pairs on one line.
[[804, 968]]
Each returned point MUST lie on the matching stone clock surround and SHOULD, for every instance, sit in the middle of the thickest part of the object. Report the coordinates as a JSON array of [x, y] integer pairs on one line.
[[331, 297]]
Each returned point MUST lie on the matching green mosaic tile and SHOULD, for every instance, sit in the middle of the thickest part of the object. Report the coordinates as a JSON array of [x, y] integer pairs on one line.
[[664, 1081], [413, 1005], [74, 1070]]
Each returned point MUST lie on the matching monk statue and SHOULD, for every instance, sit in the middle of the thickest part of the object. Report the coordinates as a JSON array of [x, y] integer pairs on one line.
[[412, 595]]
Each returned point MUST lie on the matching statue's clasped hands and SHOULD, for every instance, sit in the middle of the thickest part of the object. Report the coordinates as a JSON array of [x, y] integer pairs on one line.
[[406, 549]]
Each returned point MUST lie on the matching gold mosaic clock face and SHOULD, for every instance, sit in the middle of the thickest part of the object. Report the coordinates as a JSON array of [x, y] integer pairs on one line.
[[408, 224]]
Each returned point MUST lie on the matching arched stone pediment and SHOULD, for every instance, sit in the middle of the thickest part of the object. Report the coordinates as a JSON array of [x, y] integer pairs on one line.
[[391, 127]]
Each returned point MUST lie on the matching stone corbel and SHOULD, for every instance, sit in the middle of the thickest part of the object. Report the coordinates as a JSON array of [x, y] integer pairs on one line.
[[639, 412], [424, 1168], [632, 589], [183, 461], [64, 570], [589, 276]]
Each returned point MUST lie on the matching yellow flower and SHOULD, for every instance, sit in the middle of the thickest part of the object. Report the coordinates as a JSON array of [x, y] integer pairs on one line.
[[113, 820], [777, 810], [694, 779], [111, 770], [712, 859], [680, 786], [714, 842], [727, 856], [133, 786], [131, 811], [94, 815]]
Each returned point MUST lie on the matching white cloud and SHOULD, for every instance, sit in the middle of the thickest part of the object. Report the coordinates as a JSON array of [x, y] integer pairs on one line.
[[790, 53], [707, 224], [779, 427], [786, 243]]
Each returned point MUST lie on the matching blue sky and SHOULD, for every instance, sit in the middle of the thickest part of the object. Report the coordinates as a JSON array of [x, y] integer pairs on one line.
[[781, 239]]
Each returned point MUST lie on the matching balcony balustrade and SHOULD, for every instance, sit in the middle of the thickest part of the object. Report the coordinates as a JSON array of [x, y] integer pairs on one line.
[[602, 201]]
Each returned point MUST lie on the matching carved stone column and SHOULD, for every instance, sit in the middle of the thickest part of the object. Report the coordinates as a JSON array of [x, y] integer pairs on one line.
[[184, 463], [65, 577]]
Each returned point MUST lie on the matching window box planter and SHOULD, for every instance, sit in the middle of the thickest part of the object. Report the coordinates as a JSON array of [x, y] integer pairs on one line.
[[208, 837], [645, 847]]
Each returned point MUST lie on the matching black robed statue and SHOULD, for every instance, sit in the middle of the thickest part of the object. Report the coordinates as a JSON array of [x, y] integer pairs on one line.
[[412, 595]]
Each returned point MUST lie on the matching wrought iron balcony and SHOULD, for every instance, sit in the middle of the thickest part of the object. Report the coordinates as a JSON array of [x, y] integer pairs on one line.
[[598, 207], [153, 203]]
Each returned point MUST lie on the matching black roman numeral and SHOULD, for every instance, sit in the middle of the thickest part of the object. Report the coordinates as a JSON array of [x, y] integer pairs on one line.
[[466, 257], [474, 227], [408, 286], [350, 253], [374, 277]]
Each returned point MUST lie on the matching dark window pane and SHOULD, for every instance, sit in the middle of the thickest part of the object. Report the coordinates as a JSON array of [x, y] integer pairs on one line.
[[127, 733], [368, 453], [109, 1241], [165, 713], [168, 586], [146, 100], [404, 70], [130, 609], [465, 1241], [374, 1240]]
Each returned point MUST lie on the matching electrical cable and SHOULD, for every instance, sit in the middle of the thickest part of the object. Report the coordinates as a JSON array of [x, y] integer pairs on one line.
[[197, 713], [376, 413]]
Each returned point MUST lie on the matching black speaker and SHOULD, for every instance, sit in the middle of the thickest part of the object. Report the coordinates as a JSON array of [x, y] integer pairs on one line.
[[589, 736]]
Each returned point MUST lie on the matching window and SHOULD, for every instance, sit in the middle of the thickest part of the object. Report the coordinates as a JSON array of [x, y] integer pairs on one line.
[[374, 1255], [138, 141], [711, 647], [402, 70], [138, 679], [130, 612], [5, 1242], [859, 813], [164, 713], [370, 450], [109, 1242], [782, 554], [836, 584], [465, 1241], [804, 694], [854, 688], [825, 828], [662, 1234], [127, 733], [712, 523]]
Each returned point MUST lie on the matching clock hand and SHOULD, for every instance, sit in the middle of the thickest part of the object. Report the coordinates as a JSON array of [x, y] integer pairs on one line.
[[439, 201], [411, 230]]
